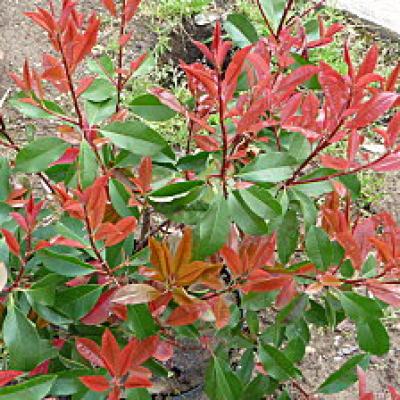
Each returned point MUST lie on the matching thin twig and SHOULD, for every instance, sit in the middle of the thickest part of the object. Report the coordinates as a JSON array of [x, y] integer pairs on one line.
[[120, 83], [224, 133]]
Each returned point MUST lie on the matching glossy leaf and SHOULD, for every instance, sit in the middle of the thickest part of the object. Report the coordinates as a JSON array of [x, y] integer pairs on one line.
[[345, 376], [39, 154]]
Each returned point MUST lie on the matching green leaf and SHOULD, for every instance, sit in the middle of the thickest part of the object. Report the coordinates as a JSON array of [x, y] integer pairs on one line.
[[259, 387], [277, 364], [294, 310], [5, 186], [33, 389], [274, 10], [68, 382], [295, 349], [99, 91], [213, 230], [43, 291], [372, 336], [254, 301], [244, 216], [288, 236], [261, 202], [299, 147], [307, 206], [319, 248], [345, 376], [175, 196], [136, 137], [26, 348], [246, 366], [37, 155], [29, 110], [150, 108], [98, 112], [272, 167], [64, 265], [241, 30], [360, 307], [140, 321], [119, 199], [103, 66], [88, 166], [221, 382], [138, 394], [76, 302]]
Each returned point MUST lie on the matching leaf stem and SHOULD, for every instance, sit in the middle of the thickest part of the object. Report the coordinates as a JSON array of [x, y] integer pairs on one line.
[[224, 133], [120, 83]]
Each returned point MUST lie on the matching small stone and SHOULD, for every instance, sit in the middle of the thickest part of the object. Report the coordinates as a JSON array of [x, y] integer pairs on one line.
[[310, 350], [206, 19]]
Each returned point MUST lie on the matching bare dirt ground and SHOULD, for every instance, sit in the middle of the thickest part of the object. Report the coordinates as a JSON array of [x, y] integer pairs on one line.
[[328, 350]]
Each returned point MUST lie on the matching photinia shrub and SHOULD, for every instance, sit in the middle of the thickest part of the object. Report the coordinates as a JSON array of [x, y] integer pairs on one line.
[[241, 240]]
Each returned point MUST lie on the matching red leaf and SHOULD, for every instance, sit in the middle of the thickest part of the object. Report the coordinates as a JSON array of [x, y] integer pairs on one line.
[[393, 129], [395, 395], [388, 163], [206, 143], [90, 350], [369, 63], [83, 85], [168, 99], [143, 181], [110, 352], [95, 383], [8, 376], [296, 78], [41, 369], [392, 80], [137, 382], [101, 311], [270, 284], [21, 220], [233, 71], [232, 260], [372, 109], [124, 39], [184, 315], [110, 6], [164, 351], [135, 64], [68, 157], [221, 312], [114, 234], [144, 349], [12, 243], [131, 8], [334, 162], [389, 294]]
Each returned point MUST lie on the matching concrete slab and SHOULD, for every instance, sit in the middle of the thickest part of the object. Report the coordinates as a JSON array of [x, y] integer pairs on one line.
[[385, 13]]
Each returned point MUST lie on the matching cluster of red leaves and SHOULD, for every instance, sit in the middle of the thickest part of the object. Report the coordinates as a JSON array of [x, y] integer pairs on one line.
[[92, 207], [169, 276], [349, 103], [124, 366], [72, 37]]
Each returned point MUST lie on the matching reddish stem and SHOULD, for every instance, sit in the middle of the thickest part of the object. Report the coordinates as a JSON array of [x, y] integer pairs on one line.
[[266, 20], [120, 83], [339, 174], [104, 265], [288, 7], [221, 108], [70, 82]]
